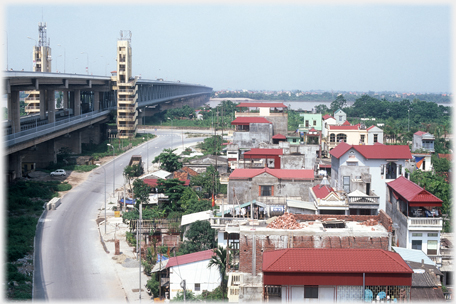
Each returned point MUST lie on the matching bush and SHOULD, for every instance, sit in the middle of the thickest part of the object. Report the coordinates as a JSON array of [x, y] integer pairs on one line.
[[63, 187], [131, 238]]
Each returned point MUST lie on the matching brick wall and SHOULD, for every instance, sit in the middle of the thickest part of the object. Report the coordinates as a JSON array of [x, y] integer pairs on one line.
[[294, 240]]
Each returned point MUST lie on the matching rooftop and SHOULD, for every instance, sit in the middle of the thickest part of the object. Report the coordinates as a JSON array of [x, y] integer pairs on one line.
[[261, 105], [279, 136], [374, 151], [190, 258], [264, 152], [412, 192], [334, 261], [249, 120], [279, 173]]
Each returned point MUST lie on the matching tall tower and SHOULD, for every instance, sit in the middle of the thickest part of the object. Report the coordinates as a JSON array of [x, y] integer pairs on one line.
[[41, 63], [126, 89]]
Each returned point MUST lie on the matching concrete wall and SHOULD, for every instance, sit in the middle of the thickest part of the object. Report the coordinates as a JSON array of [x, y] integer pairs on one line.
[[42, 154], [248, 190], [280, 124], [392, 209], [258, 133], [294, 162]]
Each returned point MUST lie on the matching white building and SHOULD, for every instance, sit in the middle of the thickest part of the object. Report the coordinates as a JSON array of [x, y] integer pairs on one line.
[[367, 168], [193, 269]]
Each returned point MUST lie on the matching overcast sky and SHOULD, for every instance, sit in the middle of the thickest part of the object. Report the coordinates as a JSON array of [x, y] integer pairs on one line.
[[350, 47]]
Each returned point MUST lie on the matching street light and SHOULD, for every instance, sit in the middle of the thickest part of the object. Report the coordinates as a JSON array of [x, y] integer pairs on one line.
[[63, 57], [87, 67], [114, 166]]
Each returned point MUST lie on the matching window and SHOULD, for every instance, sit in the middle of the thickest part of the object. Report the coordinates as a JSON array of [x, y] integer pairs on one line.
[[391, 169], [362, 138], [432, 247], [266, 191], [347, 184], [424, 165], [197, 287], [332, 137], [433, 234], [375, 138], [307, 123], [416, 244], [340, 118], [314, 122], [341, 137], [310, 292], [417, 234]]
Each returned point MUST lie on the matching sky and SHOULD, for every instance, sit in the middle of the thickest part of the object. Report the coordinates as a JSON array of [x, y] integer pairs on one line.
[[253, 46]]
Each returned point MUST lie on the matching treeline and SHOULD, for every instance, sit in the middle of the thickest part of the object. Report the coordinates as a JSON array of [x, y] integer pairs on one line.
[[327, 96]]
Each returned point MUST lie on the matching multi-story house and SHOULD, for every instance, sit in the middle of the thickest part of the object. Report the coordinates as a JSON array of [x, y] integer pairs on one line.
[[423, 141], [353, 135], [416, 214], [367, 168], [340, 117]]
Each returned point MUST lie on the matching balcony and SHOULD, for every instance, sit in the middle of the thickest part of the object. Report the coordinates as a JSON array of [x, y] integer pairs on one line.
[[127, 117], [425, 222], [32, 99], [127, 100]]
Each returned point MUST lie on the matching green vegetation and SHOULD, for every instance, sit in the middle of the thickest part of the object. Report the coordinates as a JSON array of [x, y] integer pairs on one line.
[[211, 145], [168, 160], [209, 181], [200, 236], [219, 261]]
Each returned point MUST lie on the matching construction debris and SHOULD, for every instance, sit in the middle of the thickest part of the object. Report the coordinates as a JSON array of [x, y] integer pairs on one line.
[[285, 221]]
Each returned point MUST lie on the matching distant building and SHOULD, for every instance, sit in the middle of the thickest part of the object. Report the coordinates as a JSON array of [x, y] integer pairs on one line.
[[423, 141]]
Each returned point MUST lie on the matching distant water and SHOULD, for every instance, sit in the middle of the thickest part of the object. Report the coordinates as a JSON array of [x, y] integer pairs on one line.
[[293, 105]]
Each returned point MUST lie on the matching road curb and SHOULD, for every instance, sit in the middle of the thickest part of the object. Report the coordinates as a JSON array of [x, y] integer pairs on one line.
[[102, 241]]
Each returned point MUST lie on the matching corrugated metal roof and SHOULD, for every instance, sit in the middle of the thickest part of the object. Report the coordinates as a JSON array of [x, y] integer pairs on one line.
[[190, 258], [327, 116], [261, 105], [344, 127], [193, 217], [411, 191], [340, 149], [413, 255], [420, 133], [279, 136], [301, 204], [249, 120], [374, 151], [279, 173], [334, 261], [322, 191]]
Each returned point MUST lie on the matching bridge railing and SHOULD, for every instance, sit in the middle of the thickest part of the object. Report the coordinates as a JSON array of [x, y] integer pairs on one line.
[[38, 131]]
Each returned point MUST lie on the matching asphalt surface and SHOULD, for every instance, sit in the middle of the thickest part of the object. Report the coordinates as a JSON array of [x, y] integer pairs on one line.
[[71, 264]]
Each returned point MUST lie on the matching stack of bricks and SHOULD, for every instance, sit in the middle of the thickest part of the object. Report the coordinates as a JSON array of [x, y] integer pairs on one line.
[[370, 222], [286, 221]]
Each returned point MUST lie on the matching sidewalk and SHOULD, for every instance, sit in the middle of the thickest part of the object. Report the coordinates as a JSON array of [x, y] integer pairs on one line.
[[125, 265]]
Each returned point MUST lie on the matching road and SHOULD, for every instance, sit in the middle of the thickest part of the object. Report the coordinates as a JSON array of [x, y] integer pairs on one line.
[[70, 263]]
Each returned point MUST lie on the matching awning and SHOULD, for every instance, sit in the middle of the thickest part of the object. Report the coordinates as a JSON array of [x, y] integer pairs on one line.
[[128, 201], [254, 202], [301, 204], [424, 204]]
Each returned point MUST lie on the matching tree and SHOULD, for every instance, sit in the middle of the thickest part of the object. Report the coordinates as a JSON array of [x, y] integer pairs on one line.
[[188, 195], [200, 236], [196, 205], [209, 181], [339, 103], [168, 160], [153, 285], [219, 261], [130, 172], [174, 189], [141, 192], [211, 145]]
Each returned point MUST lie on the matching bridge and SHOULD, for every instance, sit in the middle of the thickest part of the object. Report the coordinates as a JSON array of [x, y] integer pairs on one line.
[[87, 101]]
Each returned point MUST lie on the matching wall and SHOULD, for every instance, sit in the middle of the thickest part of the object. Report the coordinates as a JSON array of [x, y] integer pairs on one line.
[[273, 239], [197, 272], [280, 124], [261, 132]]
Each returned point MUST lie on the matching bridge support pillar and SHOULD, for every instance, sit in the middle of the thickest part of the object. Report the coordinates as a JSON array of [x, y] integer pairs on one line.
[[43, 104], [51, 106], [77, 102], [42, 154], [72, 141], [14, 111], [15, 166], [96, 101], [65, 100]]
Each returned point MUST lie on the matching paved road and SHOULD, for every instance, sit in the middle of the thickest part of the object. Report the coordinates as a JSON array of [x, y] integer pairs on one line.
[[70, 263]]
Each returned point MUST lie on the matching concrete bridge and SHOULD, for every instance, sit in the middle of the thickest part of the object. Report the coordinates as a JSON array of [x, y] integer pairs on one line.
[[87, 101]]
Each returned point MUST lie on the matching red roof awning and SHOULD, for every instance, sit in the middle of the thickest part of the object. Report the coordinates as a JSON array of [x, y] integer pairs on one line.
[[264, 152], [245, 121], [279, 136], [414, 194], [261, 105]]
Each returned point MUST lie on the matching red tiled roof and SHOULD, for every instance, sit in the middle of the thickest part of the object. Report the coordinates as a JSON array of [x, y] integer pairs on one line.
[[189, 171], [153, 182], [378, 143], [248, 120], [344, 127], [447, 156], [322, 191], [279, 136], [340, 149], [412, 192], [261, 105], [384, 151], [279, 173], [346, 123], [313, 130], [334, 261], [264, 152], [370, 127], [190, 258], [420, 133], [327, 116]]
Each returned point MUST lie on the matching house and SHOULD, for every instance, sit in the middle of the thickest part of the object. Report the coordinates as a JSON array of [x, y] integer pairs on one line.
[[426, 277], [251, 131], [421, 161], [200, 164], [353, 135], [446, 251], [310, 121], [416, 213], [193, 268], [248, 241], [278, 138], [340, 117], [327, 200], [158, 174], [423, 141], [261, 158], [265, 185], [276, 113], [335, 275], [184, 174], [367, 168]]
